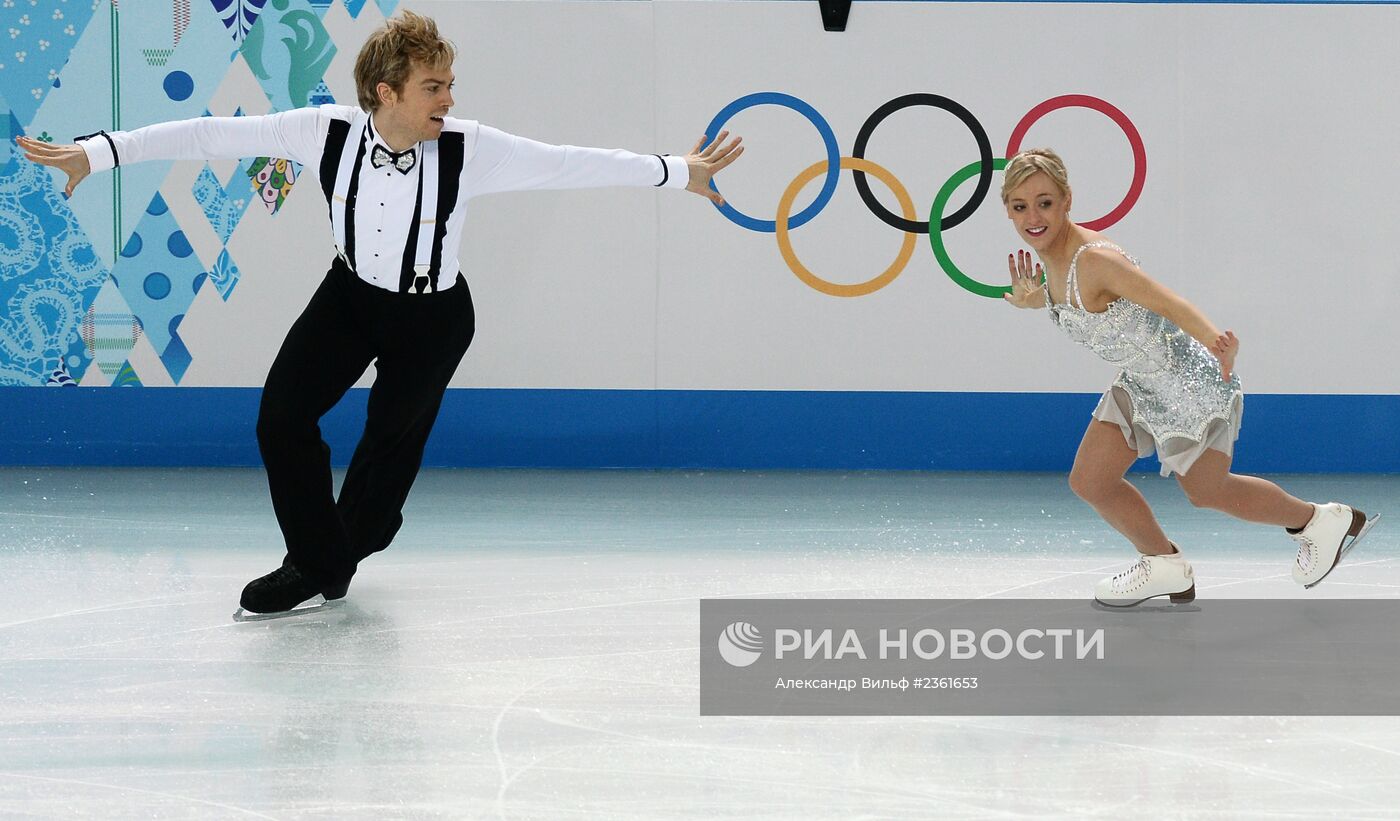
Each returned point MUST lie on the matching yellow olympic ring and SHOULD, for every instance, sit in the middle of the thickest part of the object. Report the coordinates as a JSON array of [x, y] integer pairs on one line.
[[833, 288]]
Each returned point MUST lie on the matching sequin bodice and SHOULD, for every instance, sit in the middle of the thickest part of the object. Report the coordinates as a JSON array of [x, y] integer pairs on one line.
[[1172, 380]]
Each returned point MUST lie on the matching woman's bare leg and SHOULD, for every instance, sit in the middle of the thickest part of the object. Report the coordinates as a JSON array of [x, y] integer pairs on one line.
[[1209, 483], [1097, 478]]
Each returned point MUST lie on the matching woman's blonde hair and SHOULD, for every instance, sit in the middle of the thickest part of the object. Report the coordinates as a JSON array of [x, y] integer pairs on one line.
[[388, 56], [1030, 161]]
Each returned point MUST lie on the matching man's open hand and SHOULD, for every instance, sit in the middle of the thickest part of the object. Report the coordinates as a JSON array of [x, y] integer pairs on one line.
[[70, 159], [707, 160]]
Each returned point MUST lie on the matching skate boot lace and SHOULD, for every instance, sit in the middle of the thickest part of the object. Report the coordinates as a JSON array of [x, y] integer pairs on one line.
[[1134, 576], [1307, 552]]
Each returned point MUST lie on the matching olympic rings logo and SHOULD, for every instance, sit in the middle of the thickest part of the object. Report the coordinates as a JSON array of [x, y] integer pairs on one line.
[[907, 221]]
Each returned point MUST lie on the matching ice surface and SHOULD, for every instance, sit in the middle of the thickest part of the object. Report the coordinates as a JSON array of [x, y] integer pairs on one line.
[[527, 649]]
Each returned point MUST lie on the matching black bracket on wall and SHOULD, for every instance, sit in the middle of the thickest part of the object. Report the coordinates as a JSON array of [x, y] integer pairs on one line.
[[834, 14]]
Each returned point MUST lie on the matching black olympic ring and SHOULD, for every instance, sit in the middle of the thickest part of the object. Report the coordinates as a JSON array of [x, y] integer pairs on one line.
[[984, 150]]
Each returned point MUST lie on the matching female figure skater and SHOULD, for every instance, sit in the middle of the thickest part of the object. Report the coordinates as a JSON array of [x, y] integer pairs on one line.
[[1176, 393]]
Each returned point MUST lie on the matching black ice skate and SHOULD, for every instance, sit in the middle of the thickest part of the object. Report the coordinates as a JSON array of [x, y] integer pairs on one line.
[[287, 592]]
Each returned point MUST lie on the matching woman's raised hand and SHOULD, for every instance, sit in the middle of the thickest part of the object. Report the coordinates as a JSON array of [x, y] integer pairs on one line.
[[1027, 281]]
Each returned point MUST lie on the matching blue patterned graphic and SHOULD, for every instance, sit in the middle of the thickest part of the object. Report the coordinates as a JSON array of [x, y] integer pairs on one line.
[[223, 205], [321, 95], [178, 85], [35, 41], [288, 51], [110, 330], [126, 377], [8, 130], [61, 378], [81, 280], [176, 357], [156, 274], [238, 16], [224, 275], [108, 83], [49, 275]]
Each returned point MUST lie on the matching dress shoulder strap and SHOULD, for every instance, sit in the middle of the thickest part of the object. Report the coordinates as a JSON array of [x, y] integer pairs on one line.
[[1072, 278]]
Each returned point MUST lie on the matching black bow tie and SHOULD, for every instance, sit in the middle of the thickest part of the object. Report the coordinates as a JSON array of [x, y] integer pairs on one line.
[[402, 160]]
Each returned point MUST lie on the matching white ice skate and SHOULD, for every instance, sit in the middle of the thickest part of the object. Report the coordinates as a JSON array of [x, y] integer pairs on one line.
[[311, 605], [1152, 576], [1334, 530]]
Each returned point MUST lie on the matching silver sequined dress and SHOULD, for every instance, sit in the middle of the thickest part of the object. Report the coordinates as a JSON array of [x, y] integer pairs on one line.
[[1169, 396]]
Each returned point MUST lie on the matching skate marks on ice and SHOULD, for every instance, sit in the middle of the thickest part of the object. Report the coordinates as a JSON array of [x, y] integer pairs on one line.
[[530, 654]]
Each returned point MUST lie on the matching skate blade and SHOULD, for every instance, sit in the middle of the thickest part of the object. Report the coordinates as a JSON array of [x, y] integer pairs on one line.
[[1346, 548], [1186, 596], [314, 604], [1366, 528]]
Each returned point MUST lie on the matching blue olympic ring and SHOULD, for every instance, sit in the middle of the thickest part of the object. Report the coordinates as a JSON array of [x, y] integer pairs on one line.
[[833, 157]]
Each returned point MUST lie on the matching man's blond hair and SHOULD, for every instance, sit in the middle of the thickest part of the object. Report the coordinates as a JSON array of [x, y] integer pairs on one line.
[[388, 56]]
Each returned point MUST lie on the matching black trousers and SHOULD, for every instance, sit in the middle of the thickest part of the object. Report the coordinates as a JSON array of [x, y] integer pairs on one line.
[[415, 342]]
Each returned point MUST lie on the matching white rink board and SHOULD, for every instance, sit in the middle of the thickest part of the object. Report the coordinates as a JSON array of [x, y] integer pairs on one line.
[[1265, 129]]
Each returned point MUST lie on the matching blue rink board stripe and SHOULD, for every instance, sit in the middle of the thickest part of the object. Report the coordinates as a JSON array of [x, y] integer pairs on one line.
[[683, 429]]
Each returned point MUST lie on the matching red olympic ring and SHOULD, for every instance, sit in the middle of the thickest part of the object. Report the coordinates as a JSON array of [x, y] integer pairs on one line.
[[1013, 146]]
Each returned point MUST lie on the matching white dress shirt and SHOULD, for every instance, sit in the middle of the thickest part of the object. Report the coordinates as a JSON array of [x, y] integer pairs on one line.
[[493, 161]]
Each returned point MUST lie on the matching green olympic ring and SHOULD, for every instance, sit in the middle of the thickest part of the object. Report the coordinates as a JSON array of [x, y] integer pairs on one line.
[[935, 238]]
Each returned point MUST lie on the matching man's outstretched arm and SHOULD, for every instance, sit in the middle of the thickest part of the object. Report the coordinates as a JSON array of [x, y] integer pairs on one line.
[[296, 135], [505, 162]]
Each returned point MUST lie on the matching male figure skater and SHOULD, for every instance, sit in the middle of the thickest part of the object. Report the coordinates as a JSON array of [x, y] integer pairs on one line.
[[397, 173]]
